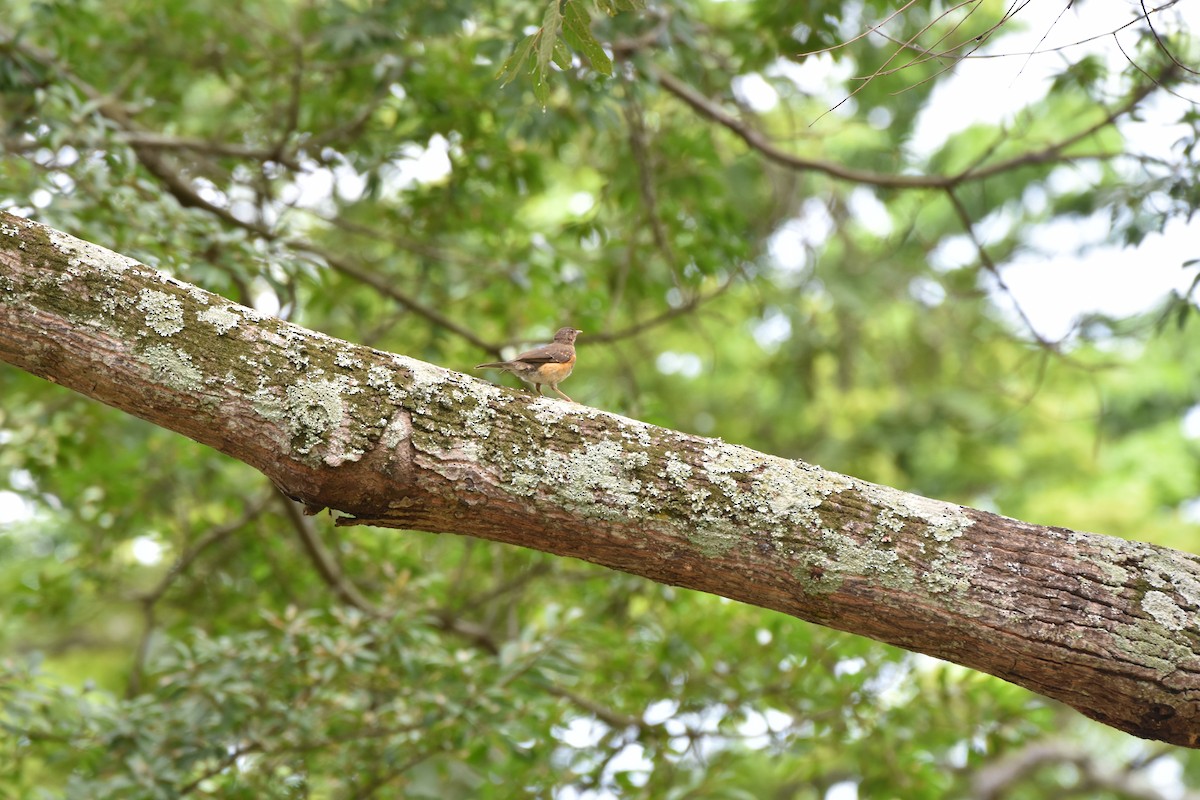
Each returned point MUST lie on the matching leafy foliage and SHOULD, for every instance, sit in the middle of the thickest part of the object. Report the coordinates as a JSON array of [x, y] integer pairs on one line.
[[450, 179], [565, 22]]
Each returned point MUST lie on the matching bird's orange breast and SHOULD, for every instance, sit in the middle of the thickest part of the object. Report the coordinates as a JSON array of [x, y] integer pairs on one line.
[[555, 372]]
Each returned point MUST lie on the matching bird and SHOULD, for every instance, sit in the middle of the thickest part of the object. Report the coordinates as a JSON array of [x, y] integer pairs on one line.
[[549, 364]]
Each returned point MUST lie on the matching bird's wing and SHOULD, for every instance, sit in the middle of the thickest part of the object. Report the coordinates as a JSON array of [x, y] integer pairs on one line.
[[546, 354]]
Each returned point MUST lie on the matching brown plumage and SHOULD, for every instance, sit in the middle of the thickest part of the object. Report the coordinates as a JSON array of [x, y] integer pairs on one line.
[[549, 364]]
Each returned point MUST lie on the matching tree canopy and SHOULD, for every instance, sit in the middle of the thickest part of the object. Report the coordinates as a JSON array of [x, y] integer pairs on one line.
[[806, 276]]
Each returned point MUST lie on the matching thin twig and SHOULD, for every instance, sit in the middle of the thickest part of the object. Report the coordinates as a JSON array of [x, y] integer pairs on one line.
[[1050, 154], [1163, 45], [325, 564], [691, 304], [986, 260], [870, 29], [867, 80], [641, 157]]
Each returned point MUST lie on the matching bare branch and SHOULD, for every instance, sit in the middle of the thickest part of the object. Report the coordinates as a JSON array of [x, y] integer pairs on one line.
[[325, 564], [162, 141], [999, 778], [1052, 153]]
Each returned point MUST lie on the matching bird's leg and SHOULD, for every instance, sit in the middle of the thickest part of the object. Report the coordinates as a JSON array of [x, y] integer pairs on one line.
[[539, 389], [560, 393]]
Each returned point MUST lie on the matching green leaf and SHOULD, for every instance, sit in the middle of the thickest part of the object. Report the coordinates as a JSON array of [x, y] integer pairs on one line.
[[562, 56], [551, 25], [512, 65], [614, 7], [577, 31], [541, 89]]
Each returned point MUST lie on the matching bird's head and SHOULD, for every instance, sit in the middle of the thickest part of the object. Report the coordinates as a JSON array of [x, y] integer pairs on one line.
[[566, 335]]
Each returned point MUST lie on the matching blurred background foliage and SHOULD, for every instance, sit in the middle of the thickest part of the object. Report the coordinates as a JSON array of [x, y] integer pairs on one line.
[[169, 627]]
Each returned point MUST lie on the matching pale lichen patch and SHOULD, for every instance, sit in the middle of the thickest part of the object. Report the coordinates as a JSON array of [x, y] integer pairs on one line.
[[198, 295], [720, 462], [113, 308], [1189, 589], [15, 230], [677, 472], [793, 490], [80, 253], [1164, 610], [847, 557], [1152, 644], [380, 377], [397, 430], [713, 541], [948, 574], [171, 280], [598, 478], [637, 432], [888, 520], [425, 383], [1115, 574], [173, 367], [164, 313], [263, 370], [764, 493], [251, 314], [296, 350], [346, 359], [635, 459], [479, 416], [483, 391], [551, 411], [524, 483], [699, 500], [943, 521], [220, 318], [1173, 571], [316, 412], [313, 408]]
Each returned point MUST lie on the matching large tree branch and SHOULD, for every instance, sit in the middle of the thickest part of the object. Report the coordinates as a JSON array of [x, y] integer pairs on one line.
[[1105, 625]]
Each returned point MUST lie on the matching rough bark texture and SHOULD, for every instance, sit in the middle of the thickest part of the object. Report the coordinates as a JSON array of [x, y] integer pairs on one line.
[[1108, 626]]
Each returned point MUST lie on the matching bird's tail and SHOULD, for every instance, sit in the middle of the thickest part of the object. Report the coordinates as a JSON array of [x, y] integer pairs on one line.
[[492, 365]]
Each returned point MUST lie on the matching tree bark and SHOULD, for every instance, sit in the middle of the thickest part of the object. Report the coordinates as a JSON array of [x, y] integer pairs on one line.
[[1108, 626]]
